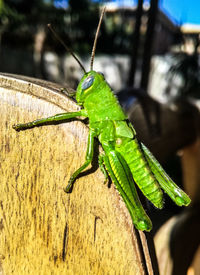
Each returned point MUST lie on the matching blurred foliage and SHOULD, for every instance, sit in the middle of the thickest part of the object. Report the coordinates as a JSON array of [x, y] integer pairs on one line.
[[82, 22], [187, 67], [8, 17], [26, 18], [20, 21]]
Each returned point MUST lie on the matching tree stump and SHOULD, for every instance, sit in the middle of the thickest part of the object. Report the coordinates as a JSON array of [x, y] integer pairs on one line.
[[43, 230]]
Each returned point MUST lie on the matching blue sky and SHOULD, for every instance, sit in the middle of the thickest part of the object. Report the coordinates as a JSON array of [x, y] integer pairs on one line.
[[179, 11], [182, 11]]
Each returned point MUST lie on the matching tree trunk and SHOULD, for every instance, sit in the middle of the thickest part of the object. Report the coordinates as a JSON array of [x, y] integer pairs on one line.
[[136, 40], [148, 44]]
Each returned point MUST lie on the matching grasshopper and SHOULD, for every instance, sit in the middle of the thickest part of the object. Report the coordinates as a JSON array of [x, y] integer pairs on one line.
[[125, 159]]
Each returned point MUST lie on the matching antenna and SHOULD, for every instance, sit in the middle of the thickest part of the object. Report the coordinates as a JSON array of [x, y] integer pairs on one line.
[[66, 47], [95, 39]]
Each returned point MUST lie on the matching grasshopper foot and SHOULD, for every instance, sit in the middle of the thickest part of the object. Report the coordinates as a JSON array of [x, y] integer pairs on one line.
[[17, 127]]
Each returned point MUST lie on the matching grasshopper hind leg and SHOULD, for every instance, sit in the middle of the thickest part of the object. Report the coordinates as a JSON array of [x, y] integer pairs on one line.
[[120, 174]]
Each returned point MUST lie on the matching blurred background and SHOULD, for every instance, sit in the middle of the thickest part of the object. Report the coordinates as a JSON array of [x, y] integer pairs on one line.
[[149, 54], [134, 35]]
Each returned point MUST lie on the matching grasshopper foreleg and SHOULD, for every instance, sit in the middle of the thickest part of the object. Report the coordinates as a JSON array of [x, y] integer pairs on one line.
[[88, 159]]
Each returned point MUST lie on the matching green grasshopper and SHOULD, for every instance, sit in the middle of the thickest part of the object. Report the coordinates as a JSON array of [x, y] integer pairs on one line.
[[126, 160]]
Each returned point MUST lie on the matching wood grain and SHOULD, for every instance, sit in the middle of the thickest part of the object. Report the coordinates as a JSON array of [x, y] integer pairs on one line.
[[42, 229]]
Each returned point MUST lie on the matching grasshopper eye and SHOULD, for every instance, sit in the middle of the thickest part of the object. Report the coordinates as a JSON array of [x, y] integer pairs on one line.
[[87, 82]]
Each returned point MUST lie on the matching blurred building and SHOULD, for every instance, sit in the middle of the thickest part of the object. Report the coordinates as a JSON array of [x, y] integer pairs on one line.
[[191, 34], [167, 33]]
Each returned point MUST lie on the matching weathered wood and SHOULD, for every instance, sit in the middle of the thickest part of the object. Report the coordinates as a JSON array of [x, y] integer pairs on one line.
[[42, 229], [178, 241]]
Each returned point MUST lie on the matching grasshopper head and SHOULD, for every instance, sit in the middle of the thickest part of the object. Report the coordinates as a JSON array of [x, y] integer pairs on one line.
[[88, 84]]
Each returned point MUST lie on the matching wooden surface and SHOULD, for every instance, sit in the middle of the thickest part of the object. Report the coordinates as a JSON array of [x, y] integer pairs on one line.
[[178, 241], [42, 229]]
